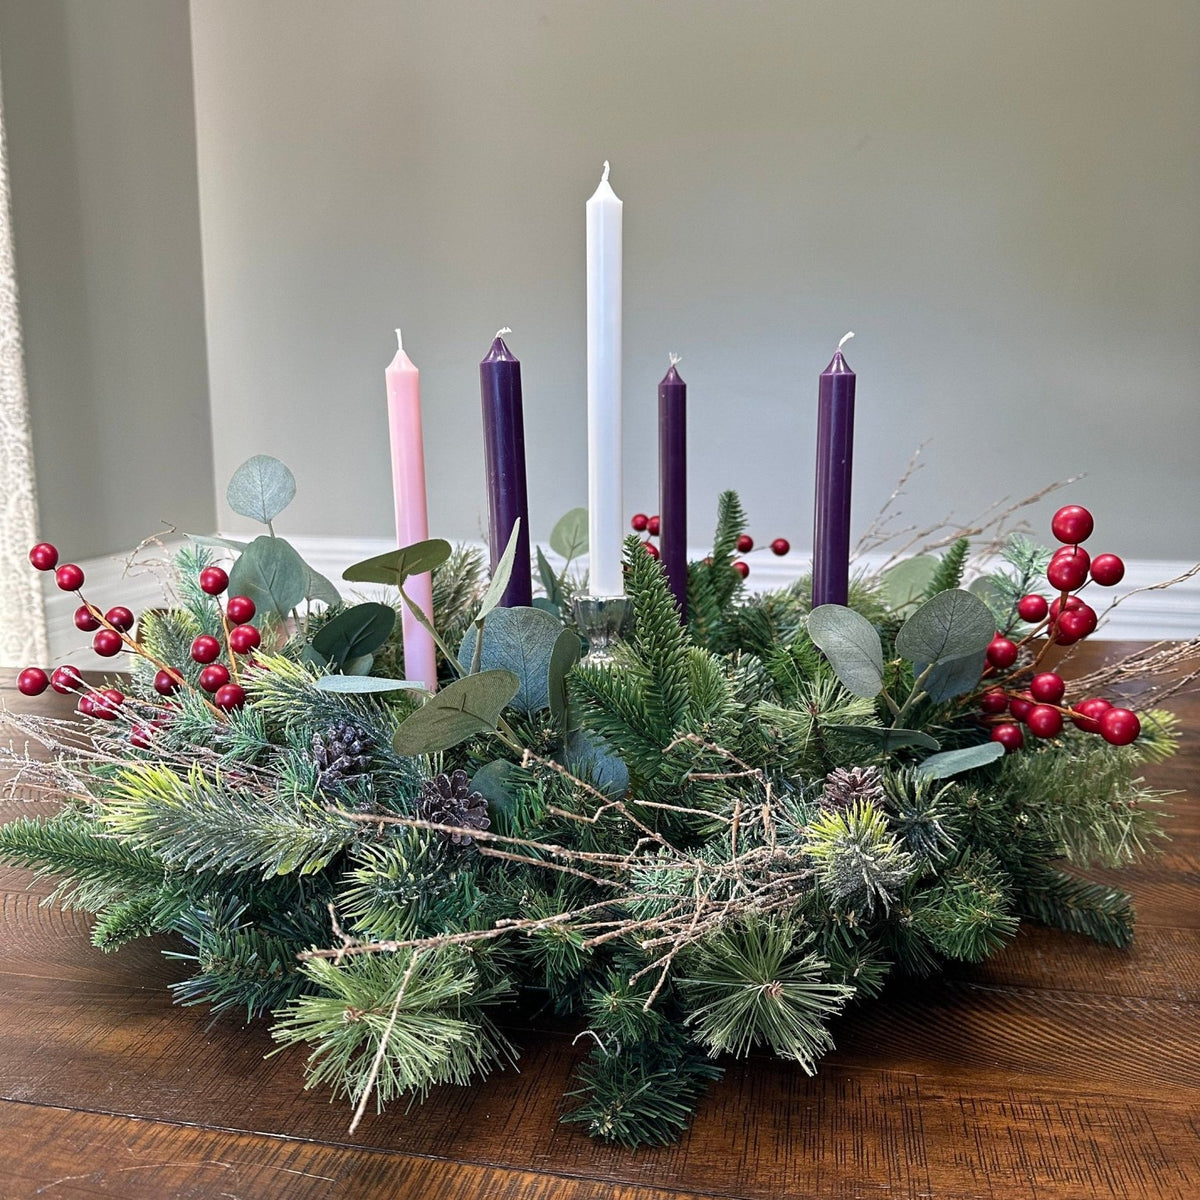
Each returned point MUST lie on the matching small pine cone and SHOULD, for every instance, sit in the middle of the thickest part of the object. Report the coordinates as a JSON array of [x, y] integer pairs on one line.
[[342, 753], [448, 800], [845, 787]]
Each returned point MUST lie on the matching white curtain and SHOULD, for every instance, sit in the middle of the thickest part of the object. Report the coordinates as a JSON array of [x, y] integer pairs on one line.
[[22, 613]]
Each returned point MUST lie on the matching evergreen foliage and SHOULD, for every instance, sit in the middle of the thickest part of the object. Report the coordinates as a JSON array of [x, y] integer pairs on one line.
[[714, 850]]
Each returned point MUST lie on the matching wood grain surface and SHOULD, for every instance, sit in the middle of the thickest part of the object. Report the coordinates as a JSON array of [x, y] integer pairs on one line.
[[1059, 1070]]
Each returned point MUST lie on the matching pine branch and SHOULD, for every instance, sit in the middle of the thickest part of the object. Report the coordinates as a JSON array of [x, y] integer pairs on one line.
[[641, 1094], [950, 569], [1075, 905], [755, 984], [202, 822], [95, 871]]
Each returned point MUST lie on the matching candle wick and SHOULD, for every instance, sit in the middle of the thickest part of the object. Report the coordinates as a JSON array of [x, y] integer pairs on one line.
[[675, 359], [399, 340], [845, 339], [502, 332], [604, 177]]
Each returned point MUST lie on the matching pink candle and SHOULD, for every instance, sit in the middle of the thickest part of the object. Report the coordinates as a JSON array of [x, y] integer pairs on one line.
[[412, 518]]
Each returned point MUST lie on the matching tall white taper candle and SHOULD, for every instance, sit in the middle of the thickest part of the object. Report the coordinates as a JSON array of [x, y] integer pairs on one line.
[[605, 498]]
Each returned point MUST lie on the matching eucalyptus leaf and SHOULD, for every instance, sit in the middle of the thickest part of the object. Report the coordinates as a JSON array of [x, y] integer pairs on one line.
[[885, 739], [954, 676], [852, 645], [271, 573], [501, 576], [396, 566], [567, 651], [955, 762], [261, 488], [365, 685], [317, 587], [547, 606], [570, 536], [460, 710], [951, 625], [520, 640], [904, 583], [549, 579], [493, 782], [356, 632], [358, 666], [592, 759]]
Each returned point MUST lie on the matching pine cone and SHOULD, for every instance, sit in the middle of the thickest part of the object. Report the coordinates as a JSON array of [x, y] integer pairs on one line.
[[845, 787], [448, 800], [342, 753]]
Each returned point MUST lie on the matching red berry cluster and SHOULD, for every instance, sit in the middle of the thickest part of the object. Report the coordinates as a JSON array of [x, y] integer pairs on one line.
[[641, 523], [1064, 621], [111, 635]]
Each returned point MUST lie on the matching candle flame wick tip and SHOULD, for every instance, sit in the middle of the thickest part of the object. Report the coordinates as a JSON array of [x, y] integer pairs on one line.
[[604, 176], [675, 359], [399, 339], [845, 339], [502, 332]]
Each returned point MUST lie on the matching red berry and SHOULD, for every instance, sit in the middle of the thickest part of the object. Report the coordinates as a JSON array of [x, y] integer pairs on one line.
[[1032, 608], [1076, 552], [1009, 736], [1044, 721], [214, 677], [167, 683], [743, 569], [69, 577], [1119, 726], [105, 704], [1072, 524], [653, 525], [639, 523], [1107, 570], [244, 638], [120, 618], [32, 681], [44, 556], [107, 642], [1076, 624], [205, 649], [86, 620], [1073, 602], [780, 546], [1047, 688], [1068, 572], [1021, 707], [230, 696], [1089, 713], [1002, 652], [87, 704], [651, 549], [214, 580], [66, 679], [994, 701], [239, 609], [745, 543], [141, 736]]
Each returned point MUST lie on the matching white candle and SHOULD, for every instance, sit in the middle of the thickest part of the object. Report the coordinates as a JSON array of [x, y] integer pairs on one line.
[[605, 498]]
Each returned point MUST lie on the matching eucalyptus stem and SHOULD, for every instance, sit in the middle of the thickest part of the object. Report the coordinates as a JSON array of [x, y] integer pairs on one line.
[[917, 693]]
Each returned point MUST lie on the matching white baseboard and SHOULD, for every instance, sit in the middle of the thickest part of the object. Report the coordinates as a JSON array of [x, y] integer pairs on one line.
[[1172, 613]]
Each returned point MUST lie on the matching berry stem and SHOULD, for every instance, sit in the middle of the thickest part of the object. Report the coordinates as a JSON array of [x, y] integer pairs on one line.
[[228, 648], [142, 652]]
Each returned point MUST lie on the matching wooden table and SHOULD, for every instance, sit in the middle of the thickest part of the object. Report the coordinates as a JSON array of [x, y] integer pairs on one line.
[[1058, 1071]]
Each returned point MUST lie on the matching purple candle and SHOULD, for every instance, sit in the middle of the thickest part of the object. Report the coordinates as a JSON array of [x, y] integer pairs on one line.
[[835, 450], [504, 448], [672, 481]]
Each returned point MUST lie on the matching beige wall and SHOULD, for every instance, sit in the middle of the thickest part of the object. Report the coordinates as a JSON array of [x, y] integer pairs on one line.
[[1002, 199], [101, 140]]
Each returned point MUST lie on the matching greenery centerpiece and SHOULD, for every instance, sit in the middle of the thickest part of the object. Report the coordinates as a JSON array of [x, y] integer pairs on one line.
[[745, 822]]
